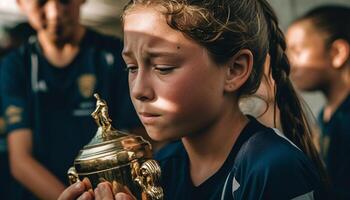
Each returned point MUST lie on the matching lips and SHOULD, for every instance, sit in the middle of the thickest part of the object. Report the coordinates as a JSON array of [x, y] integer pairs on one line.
[[148, 118]]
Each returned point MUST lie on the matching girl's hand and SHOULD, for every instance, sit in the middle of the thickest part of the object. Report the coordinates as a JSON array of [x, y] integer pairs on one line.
[[80, 191], [105, 190]]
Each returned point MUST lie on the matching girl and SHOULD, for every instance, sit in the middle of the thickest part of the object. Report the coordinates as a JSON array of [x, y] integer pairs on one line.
[[189, 63], [319, 50]]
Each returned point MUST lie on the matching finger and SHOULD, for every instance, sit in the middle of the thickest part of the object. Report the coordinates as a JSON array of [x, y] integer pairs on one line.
[[87, 183], [103, 192], [117, 187], [123, 196], [72, 192], [86, 196], [88, 186]]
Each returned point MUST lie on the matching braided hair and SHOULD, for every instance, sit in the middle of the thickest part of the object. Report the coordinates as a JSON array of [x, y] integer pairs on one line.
[[293, 119]]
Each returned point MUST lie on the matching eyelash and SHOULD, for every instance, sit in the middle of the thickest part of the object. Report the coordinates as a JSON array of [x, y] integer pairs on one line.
[[131, 69], [162, 70]]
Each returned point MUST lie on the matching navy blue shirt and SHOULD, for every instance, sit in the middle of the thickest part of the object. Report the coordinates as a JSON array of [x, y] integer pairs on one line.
[[5, 178], [261, 165], [56, 103], [335, 147]]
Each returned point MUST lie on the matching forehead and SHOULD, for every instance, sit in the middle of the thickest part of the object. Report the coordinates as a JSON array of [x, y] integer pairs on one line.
[[148, 26], [304, 32], [149, 21]]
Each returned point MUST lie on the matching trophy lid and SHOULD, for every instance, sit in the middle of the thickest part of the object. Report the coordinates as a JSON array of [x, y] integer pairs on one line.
[[109, 148]]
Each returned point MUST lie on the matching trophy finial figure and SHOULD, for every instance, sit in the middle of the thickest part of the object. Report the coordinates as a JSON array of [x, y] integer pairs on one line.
[[101, 115]]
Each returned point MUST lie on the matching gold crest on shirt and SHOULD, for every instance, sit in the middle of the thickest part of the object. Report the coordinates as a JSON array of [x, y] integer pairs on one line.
[[14, 114], [86, 83]]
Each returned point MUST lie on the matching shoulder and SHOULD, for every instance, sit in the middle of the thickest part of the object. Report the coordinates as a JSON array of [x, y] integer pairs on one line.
[[344, 111], [269, 154], [266, 159], [268, 145], [15, 60], [265, 145], [18, 53]]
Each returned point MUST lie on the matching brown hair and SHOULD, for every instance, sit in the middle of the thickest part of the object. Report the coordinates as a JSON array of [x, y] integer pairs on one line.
[[330, 19], [224, 27]]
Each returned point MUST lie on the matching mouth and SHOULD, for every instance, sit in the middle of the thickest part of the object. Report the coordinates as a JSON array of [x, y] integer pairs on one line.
[[148, 118]]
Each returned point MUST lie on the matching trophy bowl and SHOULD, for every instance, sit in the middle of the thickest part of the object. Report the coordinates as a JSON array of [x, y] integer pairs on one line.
[[122, 159]]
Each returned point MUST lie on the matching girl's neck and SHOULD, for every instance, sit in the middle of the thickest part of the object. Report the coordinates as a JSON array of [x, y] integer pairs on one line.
[[336, 94], [209, 149], [61, 54]]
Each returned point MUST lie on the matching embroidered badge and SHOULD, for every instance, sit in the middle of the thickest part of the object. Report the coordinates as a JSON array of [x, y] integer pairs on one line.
[[86, 83], [14, 114]]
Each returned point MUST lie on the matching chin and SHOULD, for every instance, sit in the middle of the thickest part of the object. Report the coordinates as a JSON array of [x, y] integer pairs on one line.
[[306, 88], [160, 136]]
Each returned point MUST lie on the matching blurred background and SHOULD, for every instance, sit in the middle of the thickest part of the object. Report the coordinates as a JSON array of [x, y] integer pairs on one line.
[[104, 16]]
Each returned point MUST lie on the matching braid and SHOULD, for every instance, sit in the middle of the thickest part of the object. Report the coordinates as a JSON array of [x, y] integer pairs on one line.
[[293, 119]]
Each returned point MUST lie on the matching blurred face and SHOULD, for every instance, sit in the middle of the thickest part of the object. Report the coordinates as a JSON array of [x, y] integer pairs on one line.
[[58, 20], [309, 58], [172, 80]]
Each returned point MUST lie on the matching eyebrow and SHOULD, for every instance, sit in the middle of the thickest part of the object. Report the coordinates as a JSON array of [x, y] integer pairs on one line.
[[151, 53]]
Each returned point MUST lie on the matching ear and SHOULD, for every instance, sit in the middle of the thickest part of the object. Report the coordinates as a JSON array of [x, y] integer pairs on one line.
[[238, 70], [340, 51]]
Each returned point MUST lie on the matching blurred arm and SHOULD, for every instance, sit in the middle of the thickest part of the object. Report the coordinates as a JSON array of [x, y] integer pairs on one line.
[[29, 171]]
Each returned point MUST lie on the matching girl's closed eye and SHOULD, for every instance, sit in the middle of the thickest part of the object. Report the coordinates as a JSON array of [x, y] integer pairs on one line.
[[164, 69]]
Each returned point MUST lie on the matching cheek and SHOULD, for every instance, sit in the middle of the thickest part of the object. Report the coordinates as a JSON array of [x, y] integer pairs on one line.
[[311, 58], [309, 78], [191, 95], [36, 20]]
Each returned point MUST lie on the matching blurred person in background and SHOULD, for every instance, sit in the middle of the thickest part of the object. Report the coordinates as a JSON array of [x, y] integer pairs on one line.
[[319, 51], [47, 88], [10, 38]]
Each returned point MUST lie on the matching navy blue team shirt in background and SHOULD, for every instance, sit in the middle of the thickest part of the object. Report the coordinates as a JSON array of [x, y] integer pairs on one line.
[[56, 103], [261, 165], [335, 147]]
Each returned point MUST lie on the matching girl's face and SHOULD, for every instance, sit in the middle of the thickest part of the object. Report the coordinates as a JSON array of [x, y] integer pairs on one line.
[[310, 60], [175, 86]]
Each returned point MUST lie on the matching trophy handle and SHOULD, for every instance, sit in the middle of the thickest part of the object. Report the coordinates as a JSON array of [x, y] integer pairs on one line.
[[73, 175], [148, 178]]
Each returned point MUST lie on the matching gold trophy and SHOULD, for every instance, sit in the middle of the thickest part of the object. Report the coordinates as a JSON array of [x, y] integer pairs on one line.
[[123, 160]]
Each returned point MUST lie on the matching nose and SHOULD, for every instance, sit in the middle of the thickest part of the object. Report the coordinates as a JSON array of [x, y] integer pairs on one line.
[[53, 10], [141, 87]]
